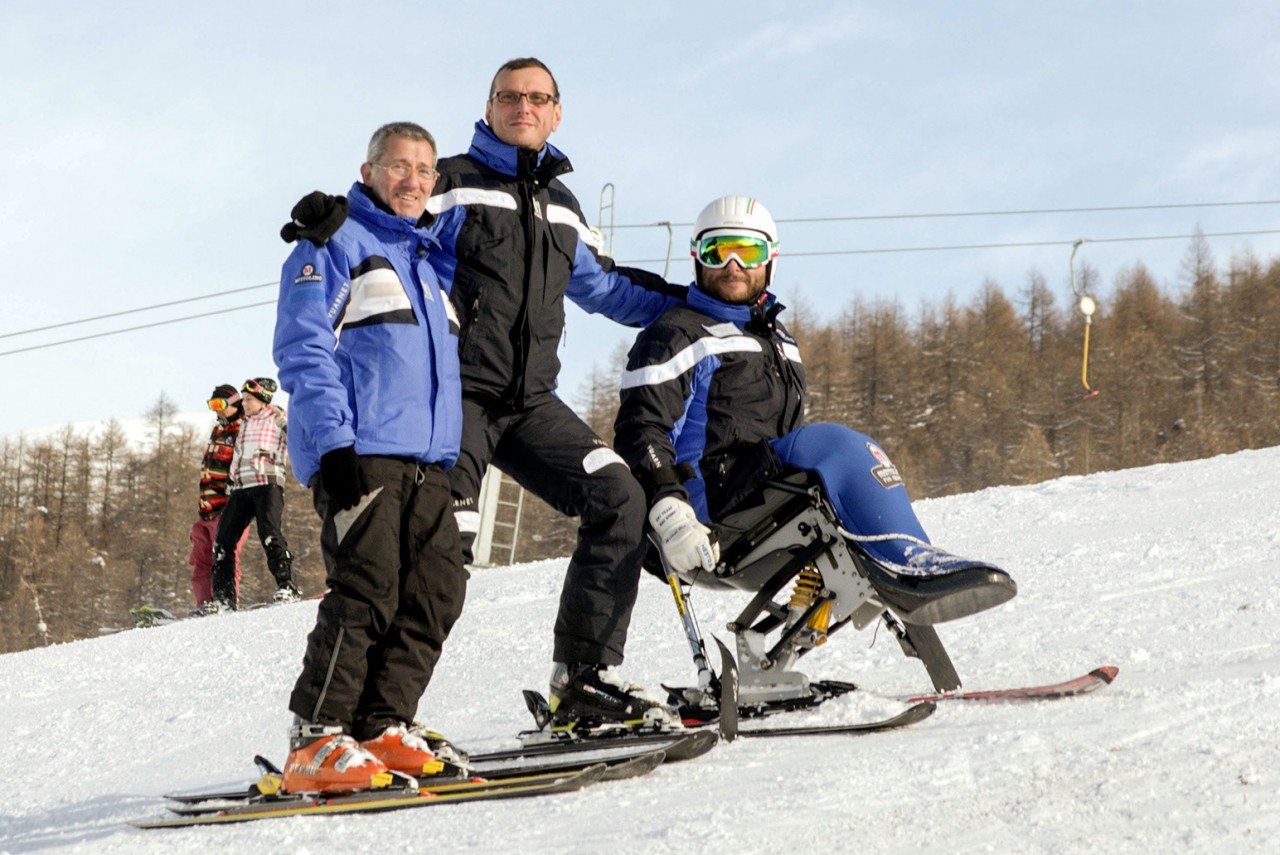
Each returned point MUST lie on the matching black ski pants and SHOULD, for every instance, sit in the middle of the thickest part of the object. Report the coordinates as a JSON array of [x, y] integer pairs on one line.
[[263, 504], [553, 454], [396, 587]]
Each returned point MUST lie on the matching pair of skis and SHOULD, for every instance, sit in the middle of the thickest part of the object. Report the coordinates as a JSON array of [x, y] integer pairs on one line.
[[147, 617], [369, 801], [518, 773]]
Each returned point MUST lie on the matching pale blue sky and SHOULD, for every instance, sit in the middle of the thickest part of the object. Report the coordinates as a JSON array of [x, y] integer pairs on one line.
[[150, 151]]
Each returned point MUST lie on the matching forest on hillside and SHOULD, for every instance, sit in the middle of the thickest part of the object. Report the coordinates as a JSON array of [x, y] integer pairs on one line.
[[962, 395]]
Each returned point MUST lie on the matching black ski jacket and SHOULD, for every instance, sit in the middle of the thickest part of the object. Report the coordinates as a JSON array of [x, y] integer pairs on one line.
[[516, 244], [706, 387]]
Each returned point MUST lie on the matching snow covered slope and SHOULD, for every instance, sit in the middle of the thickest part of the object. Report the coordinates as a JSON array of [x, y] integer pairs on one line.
[[1168, 572]]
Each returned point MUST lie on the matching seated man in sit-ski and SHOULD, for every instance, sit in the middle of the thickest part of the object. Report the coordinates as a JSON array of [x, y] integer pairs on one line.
[[713, 406]]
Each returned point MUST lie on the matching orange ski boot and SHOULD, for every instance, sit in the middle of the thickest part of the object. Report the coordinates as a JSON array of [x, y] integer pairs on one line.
[[326, 760], [404, 752]]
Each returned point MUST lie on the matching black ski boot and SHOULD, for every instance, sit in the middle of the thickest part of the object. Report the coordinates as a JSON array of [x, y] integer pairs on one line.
[[280, 563], [223, 577], [581, 695]]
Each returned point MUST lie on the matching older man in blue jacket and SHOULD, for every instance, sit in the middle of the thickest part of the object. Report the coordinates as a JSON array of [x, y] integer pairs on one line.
[[367, 347]]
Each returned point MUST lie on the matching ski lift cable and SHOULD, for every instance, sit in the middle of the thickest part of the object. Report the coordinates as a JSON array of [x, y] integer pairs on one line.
[[138, 327], [635, 262], [971, 246], [1008, 213], [135, 311]]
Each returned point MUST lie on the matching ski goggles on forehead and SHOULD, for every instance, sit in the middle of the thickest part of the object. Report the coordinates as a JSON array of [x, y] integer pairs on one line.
[[749, 250]]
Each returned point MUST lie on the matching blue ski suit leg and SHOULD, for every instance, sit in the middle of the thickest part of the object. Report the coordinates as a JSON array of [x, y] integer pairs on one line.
[[862, 484]]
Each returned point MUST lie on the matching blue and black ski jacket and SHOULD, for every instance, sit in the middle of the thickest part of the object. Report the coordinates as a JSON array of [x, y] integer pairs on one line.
[[366, 343], [706, 387]]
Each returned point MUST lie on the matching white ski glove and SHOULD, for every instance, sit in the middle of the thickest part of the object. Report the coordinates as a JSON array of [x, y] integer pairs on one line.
[[681, 537]]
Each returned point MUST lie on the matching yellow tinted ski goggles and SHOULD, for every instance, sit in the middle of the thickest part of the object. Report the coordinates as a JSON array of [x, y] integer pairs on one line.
[[748, 250]]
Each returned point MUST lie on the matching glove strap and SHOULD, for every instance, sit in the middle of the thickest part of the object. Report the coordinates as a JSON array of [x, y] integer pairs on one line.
[[664, 476]]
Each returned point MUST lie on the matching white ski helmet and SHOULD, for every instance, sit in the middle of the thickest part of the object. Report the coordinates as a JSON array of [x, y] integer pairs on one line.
[[733, 215]]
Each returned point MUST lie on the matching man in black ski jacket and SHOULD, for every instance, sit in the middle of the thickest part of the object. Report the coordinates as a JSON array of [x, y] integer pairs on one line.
[[515, 245]]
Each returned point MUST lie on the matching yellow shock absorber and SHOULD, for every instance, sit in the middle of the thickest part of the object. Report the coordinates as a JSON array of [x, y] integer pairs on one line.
[[808, 586], [806, 592], [819, 622]]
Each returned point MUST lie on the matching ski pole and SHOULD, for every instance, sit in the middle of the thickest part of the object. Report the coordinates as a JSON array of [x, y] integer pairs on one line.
[[706, 677]]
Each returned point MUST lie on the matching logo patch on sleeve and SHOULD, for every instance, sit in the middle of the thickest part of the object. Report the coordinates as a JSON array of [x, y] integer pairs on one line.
[[308, 274]]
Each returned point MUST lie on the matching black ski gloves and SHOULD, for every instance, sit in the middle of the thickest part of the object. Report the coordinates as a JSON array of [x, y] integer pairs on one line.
[[340, 476], [316, 217]]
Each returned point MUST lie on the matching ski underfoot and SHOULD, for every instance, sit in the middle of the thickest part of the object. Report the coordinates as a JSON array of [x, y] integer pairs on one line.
[[146, 617], [728, 700], [678, 744], [368, 801], [826, 690], [626, 759], [262, 800], [911, 715]]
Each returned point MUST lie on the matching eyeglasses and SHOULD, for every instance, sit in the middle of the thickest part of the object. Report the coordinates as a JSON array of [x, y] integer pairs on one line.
[[403, 170], [508, 98], [749, 251], [220, 404]]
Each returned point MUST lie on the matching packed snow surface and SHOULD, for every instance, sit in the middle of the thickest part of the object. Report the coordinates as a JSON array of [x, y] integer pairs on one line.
[[1168, 572]]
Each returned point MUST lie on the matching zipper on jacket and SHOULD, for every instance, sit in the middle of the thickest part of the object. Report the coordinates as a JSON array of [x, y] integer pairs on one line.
[[521, 340], [788, 376]]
